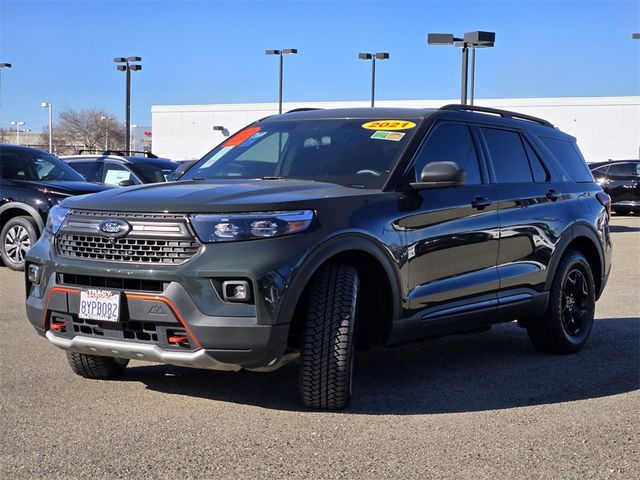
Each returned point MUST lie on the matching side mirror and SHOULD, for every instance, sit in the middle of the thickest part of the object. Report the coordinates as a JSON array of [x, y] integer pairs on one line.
[[126, 183], [440, 175]]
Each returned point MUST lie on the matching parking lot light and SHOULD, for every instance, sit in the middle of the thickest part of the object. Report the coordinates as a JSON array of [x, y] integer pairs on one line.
[[49, 106], [2, 67], [126, 66], [17, 124], [373, 57], [634, 36], [281, 53], [473, 40]]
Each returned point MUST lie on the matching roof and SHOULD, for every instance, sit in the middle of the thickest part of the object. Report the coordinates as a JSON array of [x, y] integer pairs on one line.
[[157, 162], [345, 113]]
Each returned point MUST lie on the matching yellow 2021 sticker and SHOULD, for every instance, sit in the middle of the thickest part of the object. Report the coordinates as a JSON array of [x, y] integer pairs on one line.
[[389, 125]]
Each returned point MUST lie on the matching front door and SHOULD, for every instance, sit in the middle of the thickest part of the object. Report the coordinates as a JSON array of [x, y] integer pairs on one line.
[[452, 232]]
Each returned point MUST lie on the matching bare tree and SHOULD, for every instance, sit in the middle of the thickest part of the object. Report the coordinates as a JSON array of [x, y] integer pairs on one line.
[[89, 128]]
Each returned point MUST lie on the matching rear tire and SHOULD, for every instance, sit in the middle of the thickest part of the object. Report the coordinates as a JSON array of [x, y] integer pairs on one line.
[[95, 366], [16, 238], [326, 363], [567, 323]]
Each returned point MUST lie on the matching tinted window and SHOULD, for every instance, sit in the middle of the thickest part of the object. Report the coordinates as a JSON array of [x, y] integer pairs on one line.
[[451, 143], [539, 171], [621, 169], [23, 164], [508, 156], [88, 170], [569, 156], [601, 170]]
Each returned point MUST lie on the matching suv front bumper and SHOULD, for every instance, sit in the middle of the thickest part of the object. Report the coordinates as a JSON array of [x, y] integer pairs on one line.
[[148, 320]]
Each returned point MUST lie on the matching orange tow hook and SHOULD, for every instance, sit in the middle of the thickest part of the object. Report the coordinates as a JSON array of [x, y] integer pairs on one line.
[[57, 326], [178, 339]]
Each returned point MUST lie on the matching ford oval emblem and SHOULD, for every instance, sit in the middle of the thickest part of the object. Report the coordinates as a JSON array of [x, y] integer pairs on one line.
[[114, 228]]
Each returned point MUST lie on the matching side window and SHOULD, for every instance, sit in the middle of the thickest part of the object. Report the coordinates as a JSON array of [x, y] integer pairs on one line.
[[569, 156], [601, 170], [451, 143], [89, 170], [508, 156], [539, 171], [621, 170], [115, 173]]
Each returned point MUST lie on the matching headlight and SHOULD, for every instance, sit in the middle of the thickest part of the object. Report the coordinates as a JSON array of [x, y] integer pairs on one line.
[[56, 216], [249, 226]]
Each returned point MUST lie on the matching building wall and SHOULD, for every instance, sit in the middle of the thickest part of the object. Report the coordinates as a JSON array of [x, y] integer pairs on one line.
[[606, 127]]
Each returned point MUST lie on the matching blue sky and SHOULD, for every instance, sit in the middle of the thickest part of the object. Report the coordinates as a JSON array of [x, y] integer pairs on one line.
[[213, 51]]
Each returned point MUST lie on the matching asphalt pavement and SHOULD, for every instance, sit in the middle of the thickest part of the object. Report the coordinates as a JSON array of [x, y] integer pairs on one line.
[[478, 406]]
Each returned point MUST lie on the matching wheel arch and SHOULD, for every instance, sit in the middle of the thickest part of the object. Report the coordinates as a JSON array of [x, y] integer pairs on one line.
[[584, 239], [380, 286], [18, 209]]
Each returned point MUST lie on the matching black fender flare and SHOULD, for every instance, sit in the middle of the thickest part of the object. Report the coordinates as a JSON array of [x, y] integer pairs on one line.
[[28, 209], [329, 248], [575, 231]]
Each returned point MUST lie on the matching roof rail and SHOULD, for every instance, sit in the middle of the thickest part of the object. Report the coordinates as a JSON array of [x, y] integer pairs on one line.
[[497, 111], [121, 153], [303, 109]]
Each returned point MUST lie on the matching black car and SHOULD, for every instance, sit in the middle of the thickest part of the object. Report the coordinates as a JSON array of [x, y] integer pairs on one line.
[[621, 180], [120, 170], [308, 234], [31, 182]]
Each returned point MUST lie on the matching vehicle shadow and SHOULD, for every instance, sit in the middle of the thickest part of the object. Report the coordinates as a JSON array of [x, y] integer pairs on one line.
[[493, 370], [623, 229]]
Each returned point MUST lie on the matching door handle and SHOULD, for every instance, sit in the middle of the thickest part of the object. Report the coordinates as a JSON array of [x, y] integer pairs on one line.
[[480, 202], [553, 195]]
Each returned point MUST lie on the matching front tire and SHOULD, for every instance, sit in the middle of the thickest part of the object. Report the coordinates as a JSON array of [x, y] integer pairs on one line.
[[96, 367], [326, 363], [567, 323], [16, 238]]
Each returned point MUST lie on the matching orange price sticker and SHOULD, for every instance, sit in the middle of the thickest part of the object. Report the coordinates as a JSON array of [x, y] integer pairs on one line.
[[241, 137]]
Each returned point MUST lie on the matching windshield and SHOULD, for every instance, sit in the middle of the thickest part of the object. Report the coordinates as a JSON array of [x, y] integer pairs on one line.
[[33, 165], [151, 173], [351, 152]]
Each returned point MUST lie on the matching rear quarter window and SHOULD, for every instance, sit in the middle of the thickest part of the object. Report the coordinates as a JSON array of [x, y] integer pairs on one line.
[[569, 156]]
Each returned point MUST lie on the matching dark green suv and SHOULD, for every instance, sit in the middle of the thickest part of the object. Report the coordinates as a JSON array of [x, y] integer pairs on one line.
[[315, 232]]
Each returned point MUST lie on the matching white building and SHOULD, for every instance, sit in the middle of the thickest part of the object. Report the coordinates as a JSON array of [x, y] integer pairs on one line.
[[606, 127]]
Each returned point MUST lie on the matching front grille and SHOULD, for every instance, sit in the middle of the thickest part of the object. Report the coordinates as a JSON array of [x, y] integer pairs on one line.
[[126, 249], [91, 281], [164, 239]]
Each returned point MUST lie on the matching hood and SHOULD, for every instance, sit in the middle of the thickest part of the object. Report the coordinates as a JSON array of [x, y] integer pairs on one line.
[[70, 188], [213, 196]]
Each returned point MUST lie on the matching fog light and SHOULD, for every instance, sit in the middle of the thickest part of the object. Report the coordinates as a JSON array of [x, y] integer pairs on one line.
[[34, 273], [236, 291]]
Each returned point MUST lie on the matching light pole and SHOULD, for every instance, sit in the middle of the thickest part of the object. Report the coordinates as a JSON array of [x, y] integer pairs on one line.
[[634, 36], [106, 121], [373, 57], [471, 40], [2, 67], [281, 53], [49, 106], [17, 125], [128, 68]]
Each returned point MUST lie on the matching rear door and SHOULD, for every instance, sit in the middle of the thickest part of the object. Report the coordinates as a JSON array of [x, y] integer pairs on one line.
[[91, 170], [452, 232], [533, 211]]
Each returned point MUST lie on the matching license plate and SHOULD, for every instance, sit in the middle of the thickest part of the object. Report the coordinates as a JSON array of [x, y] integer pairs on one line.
[[101, 305]]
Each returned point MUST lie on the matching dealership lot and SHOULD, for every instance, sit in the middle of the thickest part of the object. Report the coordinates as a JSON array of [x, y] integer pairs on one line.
[[471, 406]]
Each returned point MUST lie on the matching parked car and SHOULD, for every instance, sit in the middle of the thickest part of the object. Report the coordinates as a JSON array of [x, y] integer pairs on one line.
[[308, 234], [120, 170], [621, 180], [31, 182]]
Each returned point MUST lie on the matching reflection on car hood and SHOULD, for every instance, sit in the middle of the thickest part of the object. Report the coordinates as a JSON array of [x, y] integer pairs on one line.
[[72, 188], [214, 196]]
